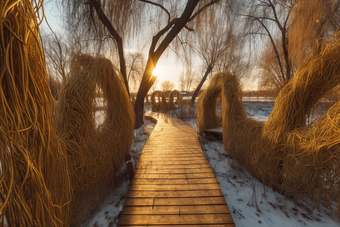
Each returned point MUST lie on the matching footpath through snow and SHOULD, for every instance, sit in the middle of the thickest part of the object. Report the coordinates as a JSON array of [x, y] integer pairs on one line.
[[250, 202]]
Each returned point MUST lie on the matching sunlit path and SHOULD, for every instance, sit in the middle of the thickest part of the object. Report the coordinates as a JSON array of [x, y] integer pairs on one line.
[[173, 182]]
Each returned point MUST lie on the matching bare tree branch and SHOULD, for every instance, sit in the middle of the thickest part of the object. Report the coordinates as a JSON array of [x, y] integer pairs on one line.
[[160, 6]]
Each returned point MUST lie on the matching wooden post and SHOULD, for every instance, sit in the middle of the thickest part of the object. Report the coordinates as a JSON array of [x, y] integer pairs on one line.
[[129, 166]]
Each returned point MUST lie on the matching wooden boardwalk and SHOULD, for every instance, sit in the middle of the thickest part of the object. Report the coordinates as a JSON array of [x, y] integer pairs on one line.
[[173, 183]]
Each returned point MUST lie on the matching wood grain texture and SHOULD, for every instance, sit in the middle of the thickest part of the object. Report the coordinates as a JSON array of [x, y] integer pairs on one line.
[[179, 219], [176, 194], [208, 209], [174, 201], [223, 225], [174, 171], [175, 181], [174, 184]]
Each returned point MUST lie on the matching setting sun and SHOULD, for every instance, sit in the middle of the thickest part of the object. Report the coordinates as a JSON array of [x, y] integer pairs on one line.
[[158, 70]]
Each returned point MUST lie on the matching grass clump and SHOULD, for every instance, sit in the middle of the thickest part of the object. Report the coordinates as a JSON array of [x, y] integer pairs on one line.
[[56, 165], [206, 105], [284, 152]]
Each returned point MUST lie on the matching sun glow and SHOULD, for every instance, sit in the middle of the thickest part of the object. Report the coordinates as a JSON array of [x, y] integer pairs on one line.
[[158, 70]]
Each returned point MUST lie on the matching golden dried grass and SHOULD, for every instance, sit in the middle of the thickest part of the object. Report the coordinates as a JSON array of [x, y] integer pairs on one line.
[[285, 153], [173, 94], [35, 184], [54, 176], [241, 135], [94, 154], [161, 104], [206, 105]]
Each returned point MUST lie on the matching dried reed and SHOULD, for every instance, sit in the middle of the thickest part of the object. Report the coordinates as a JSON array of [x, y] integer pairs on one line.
[[35, 185], [285, 153], [50, 180], [174, 94], [161, 104], [206, 105], [133, 98], [94, 154]]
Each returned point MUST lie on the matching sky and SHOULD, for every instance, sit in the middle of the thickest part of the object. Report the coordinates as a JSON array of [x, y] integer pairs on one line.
[[168, 68]]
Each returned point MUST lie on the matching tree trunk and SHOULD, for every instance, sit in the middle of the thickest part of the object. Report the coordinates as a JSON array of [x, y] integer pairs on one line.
[[142, 91], [176, 26], [193, 98], [286, 57], [123, 65], [106, 22], [138, 108]]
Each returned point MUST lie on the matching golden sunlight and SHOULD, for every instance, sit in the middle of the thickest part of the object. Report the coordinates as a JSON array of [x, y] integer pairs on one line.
[[158, 70]]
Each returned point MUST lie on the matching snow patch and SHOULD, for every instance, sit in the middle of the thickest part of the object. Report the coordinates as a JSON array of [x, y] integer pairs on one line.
[[252, 204]]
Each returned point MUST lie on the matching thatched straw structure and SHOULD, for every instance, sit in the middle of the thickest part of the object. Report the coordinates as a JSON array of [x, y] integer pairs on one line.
[[206, 105], [94, 154], [35, 185], [174, 94], [241, 136], [161, 104], [50, 180], [133, 98], [285, 153]]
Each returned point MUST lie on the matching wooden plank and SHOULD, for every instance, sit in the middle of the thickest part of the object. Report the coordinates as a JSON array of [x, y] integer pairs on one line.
[[178, 162], [163, 151], [177, 194], [174, 171], [156, 158], [175, 156], [165, 175], [175, 201], [223, 225], [215, 209], [182, 187], [193, 166], [194, 219], [175, 181]]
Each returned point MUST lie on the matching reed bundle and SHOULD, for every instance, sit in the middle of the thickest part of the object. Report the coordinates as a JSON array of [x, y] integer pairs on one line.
[[94, 153], [35, 185], [174, 94], [284, 152], [56, 167], [206, 105], [161, 104]]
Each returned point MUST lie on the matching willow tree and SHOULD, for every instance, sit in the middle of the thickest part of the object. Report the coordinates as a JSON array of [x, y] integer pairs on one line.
[[55, 50], [270, 75], [122, 19], [293, 29], [135, 64], [270, 18], [219, 47], [312, 21]]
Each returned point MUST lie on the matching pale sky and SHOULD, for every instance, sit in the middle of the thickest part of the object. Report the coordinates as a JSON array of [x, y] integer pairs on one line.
[[167, 67]]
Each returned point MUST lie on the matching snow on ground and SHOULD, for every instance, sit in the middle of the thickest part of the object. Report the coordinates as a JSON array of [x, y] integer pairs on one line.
[[108, 213], [252, 204], [258, 111]]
